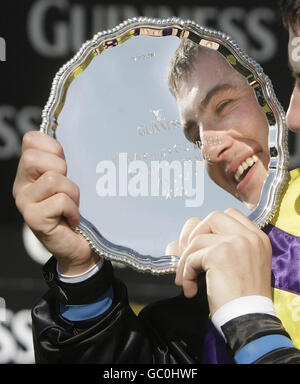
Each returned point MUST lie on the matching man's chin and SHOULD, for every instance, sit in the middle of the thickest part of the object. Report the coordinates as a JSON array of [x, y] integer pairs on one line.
[[251, 205], [250, 192], [250, 196], [252, 199]]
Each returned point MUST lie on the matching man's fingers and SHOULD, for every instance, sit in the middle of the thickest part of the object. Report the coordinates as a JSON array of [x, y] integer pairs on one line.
[[198, 243], [219, 223], [33, 164], [43, 142], [40, 153], [239, 216], [217, 229], [62, 205], [46, 215], [47, 185], [194, 265], [186, 231]]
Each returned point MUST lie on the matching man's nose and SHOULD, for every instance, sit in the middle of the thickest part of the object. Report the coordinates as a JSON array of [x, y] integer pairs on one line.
[[293, 113], [214, 146]]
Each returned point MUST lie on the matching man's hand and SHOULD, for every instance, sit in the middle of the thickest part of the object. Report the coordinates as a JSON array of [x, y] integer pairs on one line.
[[49, 202], [234, 253]]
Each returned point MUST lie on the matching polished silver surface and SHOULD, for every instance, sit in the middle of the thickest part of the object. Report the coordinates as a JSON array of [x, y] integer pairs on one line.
[[277, 175], [146, 263]]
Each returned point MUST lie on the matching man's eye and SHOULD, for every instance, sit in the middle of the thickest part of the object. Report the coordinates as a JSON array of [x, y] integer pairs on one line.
[[221, 106]]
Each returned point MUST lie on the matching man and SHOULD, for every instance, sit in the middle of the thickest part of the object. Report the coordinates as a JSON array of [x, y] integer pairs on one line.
[[221, 104], [291, 16], [85, 316], [284, 234]]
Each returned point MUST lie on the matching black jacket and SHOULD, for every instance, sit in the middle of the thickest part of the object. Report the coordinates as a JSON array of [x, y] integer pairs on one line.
[[167, 332]]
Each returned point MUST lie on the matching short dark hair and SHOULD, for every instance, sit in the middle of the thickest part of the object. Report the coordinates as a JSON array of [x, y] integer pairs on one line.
[[290, 10], [182, 63]]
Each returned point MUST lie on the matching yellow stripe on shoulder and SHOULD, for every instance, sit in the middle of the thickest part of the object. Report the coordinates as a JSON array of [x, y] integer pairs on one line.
[[287, 217], [287, 306]]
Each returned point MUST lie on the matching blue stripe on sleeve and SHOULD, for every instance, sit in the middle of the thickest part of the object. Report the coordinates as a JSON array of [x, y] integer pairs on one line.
[[260, 347], [88, 311]]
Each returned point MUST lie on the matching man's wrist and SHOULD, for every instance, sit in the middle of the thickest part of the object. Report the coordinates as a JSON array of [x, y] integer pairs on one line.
[[77, 266], [252, 337], [82, 292], [242, 306], [77, 278]]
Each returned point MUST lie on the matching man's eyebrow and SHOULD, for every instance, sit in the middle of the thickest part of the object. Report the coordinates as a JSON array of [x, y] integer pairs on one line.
[[190, 125], [214, 91]]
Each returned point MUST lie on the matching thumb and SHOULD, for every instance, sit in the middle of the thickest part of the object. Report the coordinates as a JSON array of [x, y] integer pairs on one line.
[[194, 265]]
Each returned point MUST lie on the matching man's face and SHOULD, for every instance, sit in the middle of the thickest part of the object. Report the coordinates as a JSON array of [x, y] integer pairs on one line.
[[218, 107], [293, 113]]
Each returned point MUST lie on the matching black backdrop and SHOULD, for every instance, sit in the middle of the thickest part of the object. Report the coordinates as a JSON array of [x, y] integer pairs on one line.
[[40, 36]]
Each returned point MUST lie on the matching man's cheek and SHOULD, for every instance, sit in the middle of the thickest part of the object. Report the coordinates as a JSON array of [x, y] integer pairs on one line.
[[217, 176]]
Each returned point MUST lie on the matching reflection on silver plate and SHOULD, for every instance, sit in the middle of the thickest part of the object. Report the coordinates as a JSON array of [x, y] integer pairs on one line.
[[121, 128]]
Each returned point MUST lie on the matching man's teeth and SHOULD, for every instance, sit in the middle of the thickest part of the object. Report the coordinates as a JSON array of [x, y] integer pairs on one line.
[[244, 166]]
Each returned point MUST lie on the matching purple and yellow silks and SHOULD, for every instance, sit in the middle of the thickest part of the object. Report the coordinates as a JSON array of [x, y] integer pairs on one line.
[[284, 234]]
